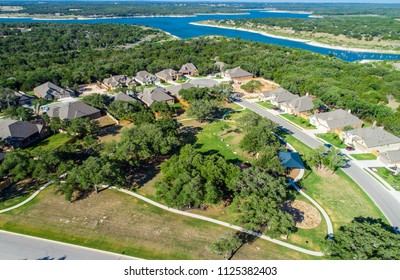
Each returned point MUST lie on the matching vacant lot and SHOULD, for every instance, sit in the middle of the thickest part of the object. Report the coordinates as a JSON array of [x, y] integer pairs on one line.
[[116, 222], [51, 143], [111, 133], [266, 86]]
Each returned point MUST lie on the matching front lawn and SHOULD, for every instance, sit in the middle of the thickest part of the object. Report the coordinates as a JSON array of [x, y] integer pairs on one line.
[[30, 92], [388, 176], [266, 104], [51, 143], [303, 123], [166, 84], [333, 139], [364, 156]]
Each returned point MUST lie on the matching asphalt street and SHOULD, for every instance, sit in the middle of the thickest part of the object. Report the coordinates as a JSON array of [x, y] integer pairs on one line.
[[22, 247], [389, 205]]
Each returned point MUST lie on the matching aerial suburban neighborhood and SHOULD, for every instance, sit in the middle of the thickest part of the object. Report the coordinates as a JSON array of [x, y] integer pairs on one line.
[[127, 139]]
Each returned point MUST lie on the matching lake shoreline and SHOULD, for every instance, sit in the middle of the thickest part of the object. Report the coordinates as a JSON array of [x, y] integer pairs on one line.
[[305, 41]]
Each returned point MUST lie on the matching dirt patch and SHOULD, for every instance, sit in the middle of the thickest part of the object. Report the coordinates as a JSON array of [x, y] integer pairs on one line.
[[294, 173], [111, 133], [266, 86], [89, 89], [304, 214]]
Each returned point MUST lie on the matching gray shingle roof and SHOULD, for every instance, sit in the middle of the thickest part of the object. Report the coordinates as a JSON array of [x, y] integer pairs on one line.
[[124, 97], [53, 91], [151, 95], [117, 81], [17, 129], [280, 95], [71, 110], [238, 72], [174, 90], [221, 64], [302, 104], [392, 156], [339, 118], [188, 67], [374, 136], [145, 77]]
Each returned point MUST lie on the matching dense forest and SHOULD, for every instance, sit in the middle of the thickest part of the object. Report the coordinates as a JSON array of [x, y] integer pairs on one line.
[[358, 27], [125, 8], [362, 88]]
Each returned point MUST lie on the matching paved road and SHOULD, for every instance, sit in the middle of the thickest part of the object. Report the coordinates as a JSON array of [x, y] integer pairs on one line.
[[386, 201], [20, 247]]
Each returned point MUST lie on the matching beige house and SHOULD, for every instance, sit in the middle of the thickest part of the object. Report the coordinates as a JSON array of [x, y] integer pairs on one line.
[[335, 121], [188, 69], [371, 139], [151, 95], [390, 158], [117, 81], [299, 106], [146, 78], [281, 97]]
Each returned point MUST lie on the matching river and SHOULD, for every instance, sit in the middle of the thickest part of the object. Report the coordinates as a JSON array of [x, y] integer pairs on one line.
[[181, 27]]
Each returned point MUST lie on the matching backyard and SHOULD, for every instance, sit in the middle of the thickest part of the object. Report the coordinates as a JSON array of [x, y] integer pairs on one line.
[[51, 143]]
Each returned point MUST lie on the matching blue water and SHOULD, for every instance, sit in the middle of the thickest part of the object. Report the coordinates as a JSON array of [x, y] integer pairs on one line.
[[181, 27]]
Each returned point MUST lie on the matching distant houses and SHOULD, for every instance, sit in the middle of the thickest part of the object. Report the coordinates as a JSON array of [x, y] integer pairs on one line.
[[168, 75], [117, 81], [19, 134], [72, 110], [50, 91], [335, 121], [151, 95], [371, 140], [188, 69], [238, 74]]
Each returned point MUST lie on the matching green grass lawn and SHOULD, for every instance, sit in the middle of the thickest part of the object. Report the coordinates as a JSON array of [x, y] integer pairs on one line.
[[181, 81], [52, 142], [177, 105], [266, 104], [303, 123], [119, 223], [30, 92], [364, 156], [166, 84], [388, 176], [333, 139]]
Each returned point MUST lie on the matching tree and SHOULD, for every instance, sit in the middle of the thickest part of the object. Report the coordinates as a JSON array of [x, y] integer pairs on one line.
[[250, 120], [269, 161], [162, 109], [222, 90], [365, 239], [259, 138], [100, 101], [252, 86], [259, 197], [17, 163], [19, 113], [202, 109], [330, 158], [81, 127], [132, 111], [226, 245]]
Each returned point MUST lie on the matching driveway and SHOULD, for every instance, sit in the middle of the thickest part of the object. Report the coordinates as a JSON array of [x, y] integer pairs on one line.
[[387, 201]]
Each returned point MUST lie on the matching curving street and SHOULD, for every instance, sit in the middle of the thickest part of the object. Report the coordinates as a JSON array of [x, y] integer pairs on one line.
[[384, 199]]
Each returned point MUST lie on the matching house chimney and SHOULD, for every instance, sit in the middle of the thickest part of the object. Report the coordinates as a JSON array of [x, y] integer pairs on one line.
[[307, 93], [349, 111], [374, 124]]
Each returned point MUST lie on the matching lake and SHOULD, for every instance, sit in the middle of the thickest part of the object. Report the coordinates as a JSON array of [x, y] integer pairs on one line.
[[181, 27]]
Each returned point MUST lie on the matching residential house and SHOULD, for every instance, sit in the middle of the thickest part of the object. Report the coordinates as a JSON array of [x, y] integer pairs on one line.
[[145, 78], [151, 95], [281, 97], [299, 106], [10, 97], [390, 158], [117, 81], [124, 97], [335, 121], [371, 139], [266, 95], [174, 90], [24, 99], [19, 134], [238, 74], [188, 69], [72, 110], [221, 65], [50, 91], [168, 75]]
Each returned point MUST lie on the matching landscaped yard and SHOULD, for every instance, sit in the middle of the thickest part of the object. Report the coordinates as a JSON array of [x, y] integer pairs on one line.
[[30, 92], [122, 224], [52, 142], [266, 104], [333, 139], [388, 176], [364, 156], [298, 120]]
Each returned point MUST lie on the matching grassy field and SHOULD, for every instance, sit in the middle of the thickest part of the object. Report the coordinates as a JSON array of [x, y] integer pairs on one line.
[[303, 123], [364, 156], [52, 142], [333, 139], [116, 222], [388, 176]]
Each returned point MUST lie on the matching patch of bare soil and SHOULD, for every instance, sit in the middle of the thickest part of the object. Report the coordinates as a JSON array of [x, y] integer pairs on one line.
[[304, 214], [266, 86]]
